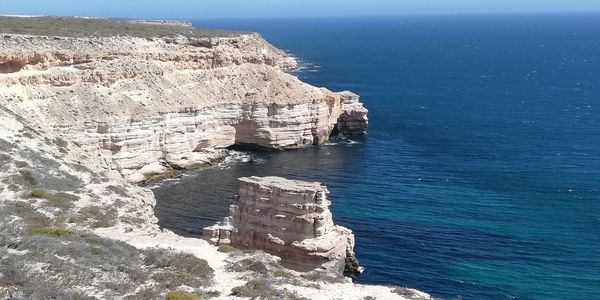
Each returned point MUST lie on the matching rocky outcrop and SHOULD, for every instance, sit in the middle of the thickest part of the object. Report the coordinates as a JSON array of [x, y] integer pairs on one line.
[[290, 219], [353, 120], [156, 104]]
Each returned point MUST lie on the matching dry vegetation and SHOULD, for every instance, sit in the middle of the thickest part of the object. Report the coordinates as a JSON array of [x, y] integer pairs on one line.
[[46, 254], [42, 260], [85, 27]]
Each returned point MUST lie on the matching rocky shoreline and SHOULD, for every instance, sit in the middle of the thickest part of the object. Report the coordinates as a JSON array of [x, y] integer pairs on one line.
[[84, 117]]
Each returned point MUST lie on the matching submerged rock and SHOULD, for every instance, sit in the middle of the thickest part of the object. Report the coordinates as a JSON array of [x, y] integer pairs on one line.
[[290, 219]]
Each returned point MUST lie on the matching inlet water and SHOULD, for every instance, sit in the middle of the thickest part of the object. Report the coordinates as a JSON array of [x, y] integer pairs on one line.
[[480, 174]]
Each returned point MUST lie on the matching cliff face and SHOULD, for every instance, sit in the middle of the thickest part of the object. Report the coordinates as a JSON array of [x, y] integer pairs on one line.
[[290, 219], [155, 104]]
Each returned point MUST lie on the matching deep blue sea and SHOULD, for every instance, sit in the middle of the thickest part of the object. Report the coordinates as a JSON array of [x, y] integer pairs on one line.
[[480, 174]]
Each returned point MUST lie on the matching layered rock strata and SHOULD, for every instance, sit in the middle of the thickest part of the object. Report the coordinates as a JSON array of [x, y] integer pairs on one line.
[[156, 104], [287, 218]]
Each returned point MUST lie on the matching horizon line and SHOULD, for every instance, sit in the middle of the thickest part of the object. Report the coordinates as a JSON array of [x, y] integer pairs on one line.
[[425, 14]]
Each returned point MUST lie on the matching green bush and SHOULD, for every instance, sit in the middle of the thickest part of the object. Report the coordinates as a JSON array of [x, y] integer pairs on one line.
[[98, 216], [178, 268], [250, 264], [256, 288], [226, 248], [29, 216], [96, 250], [173, 280], [59, 200], [50, 231], [39, 193], [27, 176], [76, 27], [24, 178], [60, 142], [177, 261], [181, 295]]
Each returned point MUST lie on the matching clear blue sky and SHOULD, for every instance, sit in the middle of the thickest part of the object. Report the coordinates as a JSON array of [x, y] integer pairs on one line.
[[283, 8]]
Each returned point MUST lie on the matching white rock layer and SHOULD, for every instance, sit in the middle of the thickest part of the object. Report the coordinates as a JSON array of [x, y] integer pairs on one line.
[[170, 102]]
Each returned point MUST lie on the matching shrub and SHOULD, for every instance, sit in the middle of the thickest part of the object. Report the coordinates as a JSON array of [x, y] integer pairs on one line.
[[60, 142], [173, 280], [28, 176], [21, 164], [99, 216], [77, 27], [94, 211], [178, 268], [59, 200], [23, 208], [181, 295], [24, 178], [96, 250], [89, 258], [193, 265], [263, 289], [226, 248], [50, 231], [254, 289], [249, 264], [39, 193], [64, 182], [28, 214], [177, 261]]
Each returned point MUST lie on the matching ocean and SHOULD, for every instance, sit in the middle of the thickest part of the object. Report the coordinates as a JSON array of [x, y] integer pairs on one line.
[[480, 174]]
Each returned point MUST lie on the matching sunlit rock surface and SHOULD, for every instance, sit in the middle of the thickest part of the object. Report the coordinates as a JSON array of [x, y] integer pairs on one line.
[[287, 218], [173, 101]]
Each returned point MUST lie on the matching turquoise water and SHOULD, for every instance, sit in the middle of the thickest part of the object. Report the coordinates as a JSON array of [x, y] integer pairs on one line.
[[480, 174]]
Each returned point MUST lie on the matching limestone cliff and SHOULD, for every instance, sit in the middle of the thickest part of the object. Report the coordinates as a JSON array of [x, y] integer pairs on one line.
[[154, 104]]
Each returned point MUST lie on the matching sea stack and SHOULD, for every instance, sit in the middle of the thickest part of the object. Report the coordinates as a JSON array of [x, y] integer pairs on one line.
[[290, 219]]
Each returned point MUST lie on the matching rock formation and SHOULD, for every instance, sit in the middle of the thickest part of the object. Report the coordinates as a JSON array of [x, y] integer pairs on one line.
[[157, 104], [287, 218]]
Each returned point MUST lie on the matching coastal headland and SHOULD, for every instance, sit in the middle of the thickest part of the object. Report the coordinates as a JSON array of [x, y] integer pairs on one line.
[[91, 109]]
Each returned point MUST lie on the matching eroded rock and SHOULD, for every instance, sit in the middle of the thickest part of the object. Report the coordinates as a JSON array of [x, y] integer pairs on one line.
[[290, 219], [174, 101]]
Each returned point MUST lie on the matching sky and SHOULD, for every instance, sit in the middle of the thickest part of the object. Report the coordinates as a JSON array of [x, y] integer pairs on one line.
[[282, 8]]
